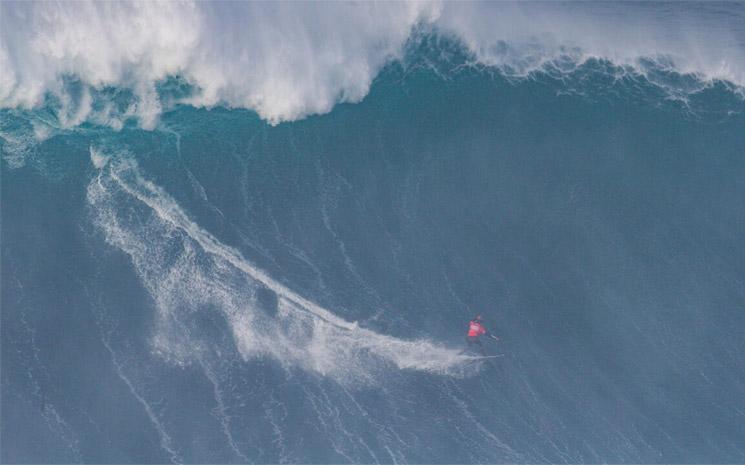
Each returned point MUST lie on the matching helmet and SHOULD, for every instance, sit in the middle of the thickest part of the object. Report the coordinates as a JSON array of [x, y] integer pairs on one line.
[[478, 318]]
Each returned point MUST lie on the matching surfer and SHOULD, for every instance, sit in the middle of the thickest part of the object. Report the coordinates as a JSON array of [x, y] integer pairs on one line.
[[476, 330]]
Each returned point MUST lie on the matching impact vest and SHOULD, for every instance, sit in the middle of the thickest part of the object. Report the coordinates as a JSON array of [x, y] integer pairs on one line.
[[475, 329]]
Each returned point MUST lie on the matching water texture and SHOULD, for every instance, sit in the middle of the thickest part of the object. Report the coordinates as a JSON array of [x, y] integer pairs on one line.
[[264, 245]]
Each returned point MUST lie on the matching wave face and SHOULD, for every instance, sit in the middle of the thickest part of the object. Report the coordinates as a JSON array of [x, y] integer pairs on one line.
[[210, 286]]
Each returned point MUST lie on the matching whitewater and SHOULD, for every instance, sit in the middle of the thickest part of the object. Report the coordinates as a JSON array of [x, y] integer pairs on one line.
[[287, 61], [256, 232]]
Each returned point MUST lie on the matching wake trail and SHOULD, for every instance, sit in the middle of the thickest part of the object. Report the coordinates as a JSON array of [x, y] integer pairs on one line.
[[320, 340]]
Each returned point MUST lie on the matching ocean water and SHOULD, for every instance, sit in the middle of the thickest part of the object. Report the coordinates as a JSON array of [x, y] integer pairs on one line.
[[255, 233]]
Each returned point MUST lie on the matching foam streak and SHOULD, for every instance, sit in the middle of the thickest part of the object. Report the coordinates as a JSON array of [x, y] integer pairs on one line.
[[302, 334]]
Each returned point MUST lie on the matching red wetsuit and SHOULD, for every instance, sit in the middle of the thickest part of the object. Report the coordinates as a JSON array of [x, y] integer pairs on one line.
[[475, 329]]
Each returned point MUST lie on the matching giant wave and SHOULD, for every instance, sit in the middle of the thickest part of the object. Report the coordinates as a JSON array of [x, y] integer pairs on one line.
[[251, 232]]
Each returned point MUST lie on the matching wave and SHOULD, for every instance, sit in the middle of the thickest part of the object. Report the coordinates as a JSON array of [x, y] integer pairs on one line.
[[187, 271], [108, 63]]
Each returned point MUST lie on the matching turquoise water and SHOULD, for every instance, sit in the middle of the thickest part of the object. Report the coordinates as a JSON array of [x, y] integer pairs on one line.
[[220, 288]]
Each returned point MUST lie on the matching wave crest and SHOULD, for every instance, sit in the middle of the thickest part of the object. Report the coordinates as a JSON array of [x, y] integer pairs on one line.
[[287, 61]]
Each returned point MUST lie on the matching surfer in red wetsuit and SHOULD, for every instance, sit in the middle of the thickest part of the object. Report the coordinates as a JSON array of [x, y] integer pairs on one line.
[[476, 329]]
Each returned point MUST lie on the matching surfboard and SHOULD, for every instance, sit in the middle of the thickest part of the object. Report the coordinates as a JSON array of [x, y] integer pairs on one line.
[[482, 357]]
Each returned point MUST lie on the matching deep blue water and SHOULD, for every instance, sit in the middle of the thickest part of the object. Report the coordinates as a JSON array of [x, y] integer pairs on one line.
[[189, 293]]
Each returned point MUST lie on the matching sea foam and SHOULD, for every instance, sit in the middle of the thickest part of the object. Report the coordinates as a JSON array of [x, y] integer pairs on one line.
[[290, 60], [187, 271]]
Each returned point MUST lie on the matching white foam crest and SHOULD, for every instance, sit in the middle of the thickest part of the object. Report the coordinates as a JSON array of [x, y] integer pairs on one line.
[[697, 39], [187, 270], [283, 60], [98, 159], [290, 60]]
